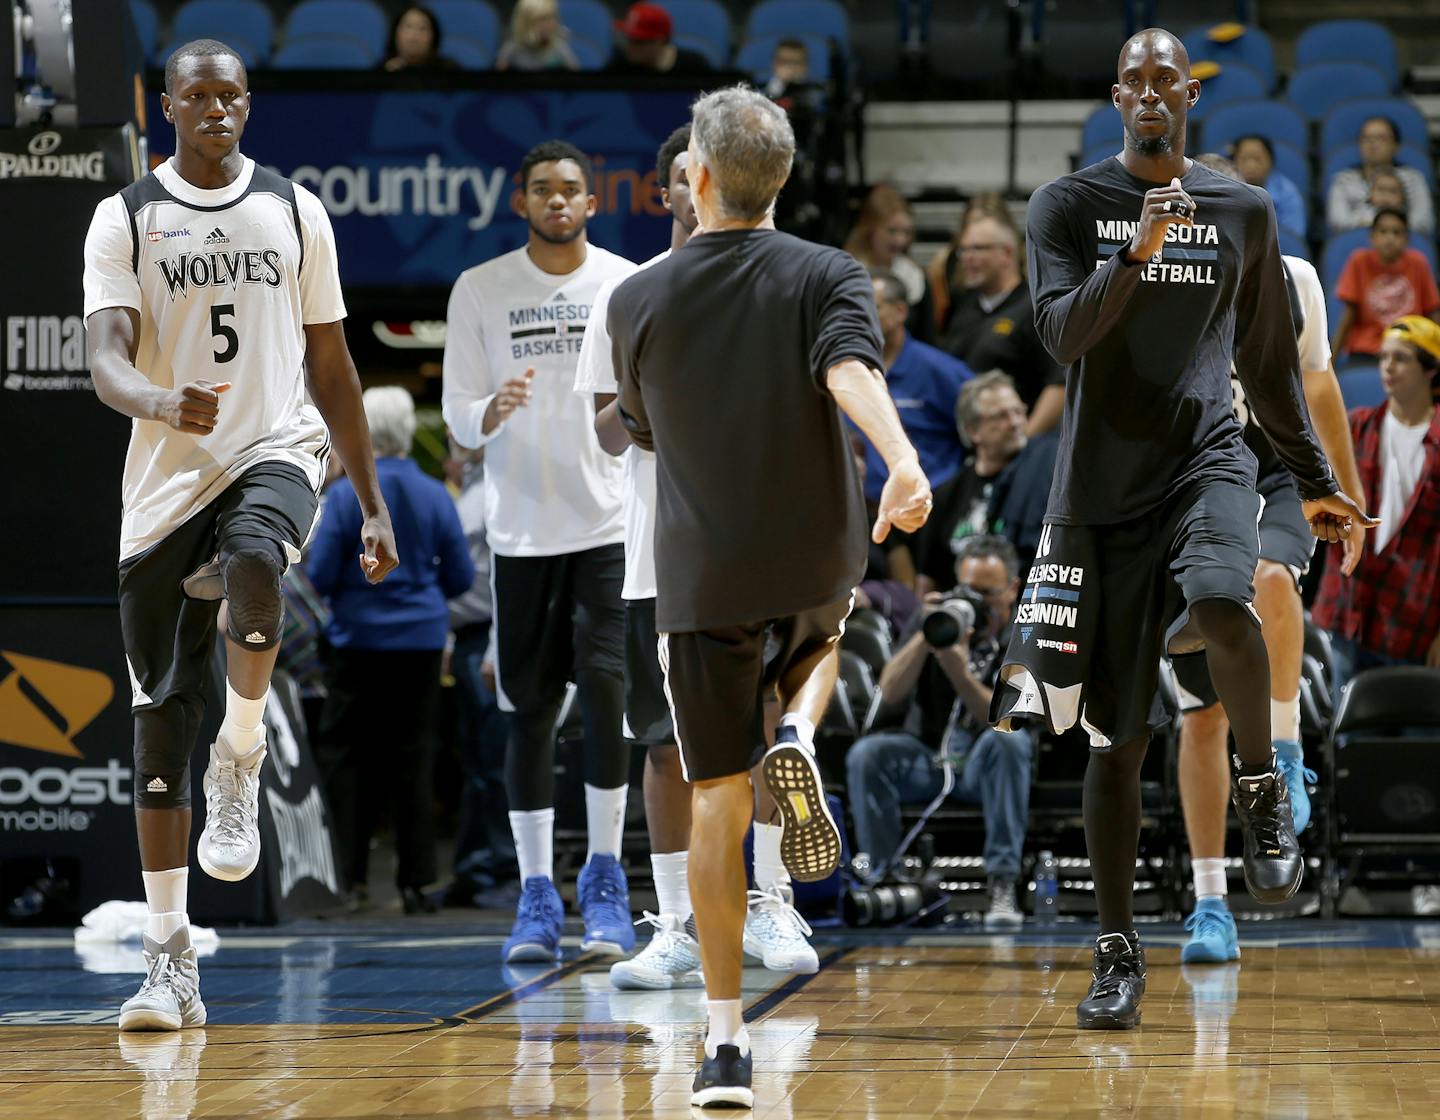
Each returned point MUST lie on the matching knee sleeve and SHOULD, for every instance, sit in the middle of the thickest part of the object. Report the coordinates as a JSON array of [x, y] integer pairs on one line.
[[252, 573], [164, 742], [1223, 622]]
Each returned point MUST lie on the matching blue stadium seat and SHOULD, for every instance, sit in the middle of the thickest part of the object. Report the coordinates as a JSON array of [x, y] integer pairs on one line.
[[1235, 82], [1348, 155], [1339, 247], [1103, 126], [1295, 166], [754, 56], [1317, 89], [1253, 49], [249, 21], [1342, 124], [248, 52], [1293, 245], [590, 21], [474, 20], [703, 26], [359, 20], [781, 18], [1099, 152], [1274, 120], [590, 56], [467, 53], [325, 52], [1361, 387], [147, 26], [1350, 40]]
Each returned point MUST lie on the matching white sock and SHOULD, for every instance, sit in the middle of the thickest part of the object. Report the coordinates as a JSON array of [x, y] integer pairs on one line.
[[165, 893], [1210, 881], [769, 867], [803, 728], [727, 1025], [1285, 719], [241, 729], [534, 832], [605, 819], [672, 883]]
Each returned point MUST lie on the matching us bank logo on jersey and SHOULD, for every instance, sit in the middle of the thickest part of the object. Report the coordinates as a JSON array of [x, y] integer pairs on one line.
[[156, 235], [1191, 254]]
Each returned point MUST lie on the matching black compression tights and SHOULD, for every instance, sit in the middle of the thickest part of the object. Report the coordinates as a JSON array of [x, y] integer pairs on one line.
[[530, 749], [1112, 830], [1240, 672]]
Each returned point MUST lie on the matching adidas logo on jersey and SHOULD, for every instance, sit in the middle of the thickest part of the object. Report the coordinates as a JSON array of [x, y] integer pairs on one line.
[[216, 237], [157, 785]]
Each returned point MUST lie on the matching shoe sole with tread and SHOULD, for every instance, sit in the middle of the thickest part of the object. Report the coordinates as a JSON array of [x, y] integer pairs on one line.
[[809, 842]]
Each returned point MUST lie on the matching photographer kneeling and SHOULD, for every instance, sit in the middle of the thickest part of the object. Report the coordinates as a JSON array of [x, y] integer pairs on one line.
[[945, 670]]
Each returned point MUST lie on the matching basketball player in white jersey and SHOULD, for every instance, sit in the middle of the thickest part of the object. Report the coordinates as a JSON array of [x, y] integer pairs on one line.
[[553, 516], [212, 301]]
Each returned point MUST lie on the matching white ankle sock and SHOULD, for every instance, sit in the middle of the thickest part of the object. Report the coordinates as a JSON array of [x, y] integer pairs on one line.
[[1285, 719], [241, 729], [534, 832], [803, 728], [1210, 881], [727, 1025], [605, 819], [672, 883], [769, 867], [165, 899]]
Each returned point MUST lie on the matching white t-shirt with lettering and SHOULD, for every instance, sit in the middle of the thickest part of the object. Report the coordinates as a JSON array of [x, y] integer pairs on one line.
[[224, 287], [550, 489]]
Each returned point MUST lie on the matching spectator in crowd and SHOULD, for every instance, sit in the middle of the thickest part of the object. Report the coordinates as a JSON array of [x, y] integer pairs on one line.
[[1388, 612], [415, 42], [486, 871], [992, 324], [789, 66], [646, 47], [946, 280], [1002, 488], [1381, 284], [798, 210], [924, 383], [945, 747], [537, 40], [1254, 158], [1348, 206], [1387, 192], [377, 729], [881, 240]]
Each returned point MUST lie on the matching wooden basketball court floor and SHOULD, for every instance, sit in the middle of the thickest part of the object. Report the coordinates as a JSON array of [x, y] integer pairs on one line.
[[1316, 1020]]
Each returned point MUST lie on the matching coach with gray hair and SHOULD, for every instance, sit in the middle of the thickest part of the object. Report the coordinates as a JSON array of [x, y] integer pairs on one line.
[[732, 356], [376, 742]]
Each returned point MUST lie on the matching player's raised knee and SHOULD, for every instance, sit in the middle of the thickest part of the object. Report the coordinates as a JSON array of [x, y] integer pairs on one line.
[[252, 589]]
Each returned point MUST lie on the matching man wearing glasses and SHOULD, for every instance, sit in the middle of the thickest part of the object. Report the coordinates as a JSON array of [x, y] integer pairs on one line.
[[945, 671]]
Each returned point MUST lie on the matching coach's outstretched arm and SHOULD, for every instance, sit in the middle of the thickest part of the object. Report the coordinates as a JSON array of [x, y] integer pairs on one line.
[[335, 388]]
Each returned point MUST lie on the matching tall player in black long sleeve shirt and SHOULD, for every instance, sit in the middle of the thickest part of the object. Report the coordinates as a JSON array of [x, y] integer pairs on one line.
[[1148, 272]]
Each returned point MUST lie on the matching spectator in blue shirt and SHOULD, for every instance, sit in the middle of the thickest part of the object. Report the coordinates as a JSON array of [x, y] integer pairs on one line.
[[924, 383], [1254, 158], [377, 729]]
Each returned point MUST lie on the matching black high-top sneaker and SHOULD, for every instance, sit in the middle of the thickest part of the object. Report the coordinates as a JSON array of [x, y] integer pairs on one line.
[[724, 1080], [1116, 985], [1273, 863]]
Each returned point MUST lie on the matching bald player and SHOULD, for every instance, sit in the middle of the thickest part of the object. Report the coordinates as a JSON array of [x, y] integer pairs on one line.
[[1148, 271]]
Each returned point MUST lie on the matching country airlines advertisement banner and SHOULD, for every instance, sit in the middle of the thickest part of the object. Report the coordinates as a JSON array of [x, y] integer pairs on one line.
[[418, 184]]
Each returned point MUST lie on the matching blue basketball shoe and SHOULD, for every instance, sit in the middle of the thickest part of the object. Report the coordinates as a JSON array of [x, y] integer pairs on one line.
[[1290, 760], [1212, 934], [535, 936], [605, 907]]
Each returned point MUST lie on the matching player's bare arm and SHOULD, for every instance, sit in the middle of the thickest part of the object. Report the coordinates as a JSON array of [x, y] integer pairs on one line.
[[1332, 427], [114, 332], [609, 429], [335, 388], [515, 393]]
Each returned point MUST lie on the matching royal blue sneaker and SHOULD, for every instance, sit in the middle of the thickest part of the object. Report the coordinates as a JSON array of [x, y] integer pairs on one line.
[[1213, 938], [1290, 760], [605, 907], [535, 936]]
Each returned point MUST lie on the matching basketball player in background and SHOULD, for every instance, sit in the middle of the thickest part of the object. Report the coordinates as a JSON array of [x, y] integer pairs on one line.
[[213, 303]]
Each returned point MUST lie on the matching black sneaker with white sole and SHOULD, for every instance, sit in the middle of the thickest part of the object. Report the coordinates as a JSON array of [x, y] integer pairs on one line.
[[809, 842], [724, 1080], [1117, 983], [1273, 863]]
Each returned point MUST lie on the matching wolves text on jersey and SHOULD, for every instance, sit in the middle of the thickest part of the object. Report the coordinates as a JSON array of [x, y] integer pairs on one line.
[[203, 270]]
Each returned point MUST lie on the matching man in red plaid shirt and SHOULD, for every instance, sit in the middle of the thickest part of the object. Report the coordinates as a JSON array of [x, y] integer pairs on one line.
[[1389, 612]]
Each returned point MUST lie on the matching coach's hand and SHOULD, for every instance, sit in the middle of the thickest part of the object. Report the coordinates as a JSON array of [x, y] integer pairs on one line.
[[379, 558], [515, 393], [1333, 517], [905, 502], [1163, 207], [193, 408]]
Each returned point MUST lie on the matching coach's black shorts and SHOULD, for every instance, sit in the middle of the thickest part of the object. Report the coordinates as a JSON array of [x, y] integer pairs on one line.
[[647, 712], [1099, 664], [718, 680], [170, 638]]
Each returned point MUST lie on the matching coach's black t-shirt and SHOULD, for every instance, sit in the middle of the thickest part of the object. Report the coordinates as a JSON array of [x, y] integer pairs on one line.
[[1003, 338], [722, 352], [962, 509], [1148, 403]]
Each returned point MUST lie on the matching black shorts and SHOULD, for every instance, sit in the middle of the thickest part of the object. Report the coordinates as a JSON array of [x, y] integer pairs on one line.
[[647, 712], [170, 637], [1097, 660], [718, 680], [556, 616]]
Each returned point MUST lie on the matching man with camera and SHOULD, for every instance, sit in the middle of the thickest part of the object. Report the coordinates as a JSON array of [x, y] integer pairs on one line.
[[945, 671]]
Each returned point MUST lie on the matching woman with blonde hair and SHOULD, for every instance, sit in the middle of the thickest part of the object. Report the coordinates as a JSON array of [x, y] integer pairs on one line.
[[538, 40], [881, 240]]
